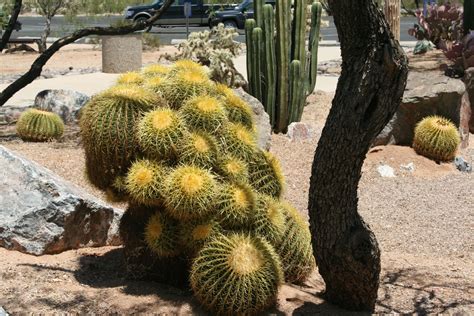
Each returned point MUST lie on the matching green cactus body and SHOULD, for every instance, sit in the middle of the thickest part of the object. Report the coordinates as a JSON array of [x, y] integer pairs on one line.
[[314, 35], [235, 206], [236, 275], [204, 113], [162, 235], [109, 131], [189, 193], [39, 126], [159, 133], [295, 250], [258, 12], [436, 138], [269, 219], [182, 86], [131, 78], [155, 70], [266, 176], [281, 103], [233, 169], [250, 24], [196, 233], [198, 149], [283, 42], [239, 141], [257, 38], [144, 182], [270, 61], [238, 111], [295, 91]]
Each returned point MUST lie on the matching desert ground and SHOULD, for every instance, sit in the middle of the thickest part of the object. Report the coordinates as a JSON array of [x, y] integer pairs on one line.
[[423, 220]]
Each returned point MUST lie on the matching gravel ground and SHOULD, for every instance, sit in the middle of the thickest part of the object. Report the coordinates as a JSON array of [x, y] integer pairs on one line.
[[424, 222]]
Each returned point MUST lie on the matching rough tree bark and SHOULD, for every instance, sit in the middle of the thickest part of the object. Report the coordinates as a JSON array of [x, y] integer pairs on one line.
[[48, 9], [392, 14], [11, 24], [42, 59], [373, 78]]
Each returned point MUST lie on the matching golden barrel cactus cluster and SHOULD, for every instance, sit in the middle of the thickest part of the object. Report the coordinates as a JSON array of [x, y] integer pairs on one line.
[[182, 151]]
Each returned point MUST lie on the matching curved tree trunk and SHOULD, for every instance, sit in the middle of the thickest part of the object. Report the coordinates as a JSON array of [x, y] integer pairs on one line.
[[43, 58], [373, 78], [11, 24], [45, 34]]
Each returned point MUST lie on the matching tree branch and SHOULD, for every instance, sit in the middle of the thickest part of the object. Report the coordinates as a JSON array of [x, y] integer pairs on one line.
[[38, 64], [11, 24]]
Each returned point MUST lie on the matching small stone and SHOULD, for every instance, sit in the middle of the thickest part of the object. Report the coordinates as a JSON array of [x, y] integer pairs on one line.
[[408, 167], [386, 171], [462, 165], [298, 131], [66, 103]]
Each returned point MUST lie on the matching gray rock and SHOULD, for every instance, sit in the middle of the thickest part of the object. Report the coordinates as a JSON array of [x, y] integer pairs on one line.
[[262, 120], [65, 103], [410, 167], [427, 93], [298, 131], [9, 114], [462, 165], [43, 214]]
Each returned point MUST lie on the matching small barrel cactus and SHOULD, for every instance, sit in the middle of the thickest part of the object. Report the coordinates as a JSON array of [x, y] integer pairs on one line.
[[236, 275], [130, 78], [265, 174], [144, 182], [235, 205], [205, 113], [39, 126], [436, 138], [162, 235]]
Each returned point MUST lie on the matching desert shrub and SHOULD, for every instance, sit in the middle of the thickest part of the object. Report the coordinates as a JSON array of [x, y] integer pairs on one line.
[[215, 49], [182, 151]]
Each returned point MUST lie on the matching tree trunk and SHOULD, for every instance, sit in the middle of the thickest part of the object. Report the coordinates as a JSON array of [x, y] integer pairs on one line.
[[43, 58], [373, 78], [392, 14], [45, 34], [11, 24]]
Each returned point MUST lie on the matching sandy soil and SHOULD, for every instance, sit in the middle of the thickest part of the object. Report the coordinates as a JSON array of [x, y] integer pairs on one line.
[[424, 222], [74, 55]]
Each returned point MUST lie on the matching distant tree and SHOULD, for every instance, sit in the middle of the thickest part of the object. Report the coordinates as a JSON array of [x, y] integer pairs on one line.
[[373, 78]]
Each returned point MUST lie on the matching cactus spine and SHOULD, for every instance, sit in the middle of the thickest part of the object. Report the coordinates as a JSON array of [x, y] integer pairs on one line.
[[285, 89]]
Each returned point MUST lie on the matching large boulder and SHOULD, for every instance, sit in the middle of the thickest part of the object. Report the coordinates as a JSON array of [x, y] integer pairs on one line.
[[262, 120], [427, 93], [65, 103], [469, 81], [43, 214]]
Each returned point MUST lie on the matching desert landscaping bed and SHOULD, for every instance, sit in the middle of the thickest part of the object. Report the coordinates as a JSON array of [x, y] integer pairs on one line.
[[423, 220]]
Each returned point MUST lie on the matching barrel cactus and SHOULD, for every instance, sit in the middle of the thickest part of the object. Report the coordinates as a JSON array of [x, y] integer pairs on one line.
[[39, 126], [236, 275], [436, 138], [204, 200]]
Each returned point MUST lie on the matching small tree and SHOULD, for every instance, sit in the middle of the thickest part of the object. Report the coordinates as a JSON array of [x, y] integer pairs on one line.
[[48, 9], [10, 25]]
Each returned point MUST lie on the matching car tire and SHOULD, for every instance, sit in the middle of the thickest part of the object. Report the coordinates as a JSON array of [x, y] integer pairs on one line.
[[142, 18], [228, 24]]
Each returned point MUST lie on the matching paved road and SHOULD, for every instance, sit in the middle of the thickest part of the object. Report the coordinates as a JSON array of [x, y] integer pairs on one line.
[[33, 26]]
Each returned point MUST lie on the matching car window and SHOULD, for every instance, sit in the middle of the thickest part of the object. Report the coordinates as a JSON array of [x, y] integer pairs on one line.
[[181, 2]]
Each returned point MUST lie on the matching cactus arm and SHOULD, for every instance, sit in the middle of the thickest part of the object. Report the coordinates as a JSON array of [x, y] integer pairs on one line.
[[298, 48], [270, 61], [258, 12], [257, 37], [296, 92], [316, 10], [283, 24], [249, 26]]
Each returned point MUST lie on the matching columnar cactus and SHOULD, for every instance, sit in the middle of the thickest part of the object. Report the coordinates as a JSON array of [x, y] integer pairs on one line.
[[286, 68], [205, 203]]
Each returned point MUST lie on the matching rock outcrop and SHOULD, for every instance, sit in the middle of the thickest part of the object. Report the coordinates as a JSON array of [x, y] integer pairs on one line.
[[43, 214]]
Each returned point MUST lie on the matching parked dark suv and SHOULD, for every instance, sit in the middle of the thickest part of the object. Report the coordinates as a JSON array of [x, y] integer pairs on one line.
[[235, 17], [174, 15]]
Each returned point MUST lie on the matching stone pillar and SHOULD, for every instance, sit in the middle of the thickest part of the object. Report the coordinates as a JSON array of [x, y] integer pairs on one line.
[[392, 14], [121, 53]]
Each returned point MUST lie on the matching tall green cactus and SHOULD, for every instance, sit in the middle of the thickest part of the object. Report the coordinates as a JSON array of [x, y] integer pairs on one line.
[[282, 71]]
